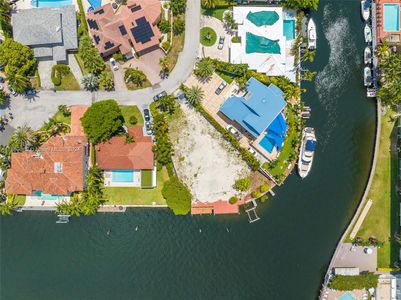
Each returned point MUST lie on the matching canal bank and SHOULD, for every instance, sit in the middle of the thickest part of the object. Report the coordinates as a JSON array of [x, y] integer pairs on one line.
[[282, 256]]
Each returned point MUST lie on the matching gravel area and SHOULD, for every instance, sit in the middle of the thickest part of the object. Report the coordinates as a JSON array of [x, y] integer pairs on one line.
[[207, 163]]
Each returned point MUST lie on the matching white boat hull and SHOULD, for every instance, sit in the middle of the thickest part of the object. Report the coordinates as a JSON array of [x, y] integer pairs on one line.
[[311, 35], [367, 56], [365, 12], [306, 154], [368, 34], [367, 76]]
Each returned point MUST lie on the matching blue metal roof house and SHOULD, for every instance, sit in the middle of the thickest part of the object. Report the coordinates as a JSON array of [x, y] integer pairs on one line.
[[259, 112]]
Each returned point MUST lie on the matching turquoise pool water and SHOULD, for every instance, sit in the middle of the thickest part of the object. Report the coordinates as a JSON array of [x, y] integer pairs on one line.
[[259, 44], [347, 296], [45, 196], [289, 29], [391, 17], [262, 18], [123, 176], [50, 3]]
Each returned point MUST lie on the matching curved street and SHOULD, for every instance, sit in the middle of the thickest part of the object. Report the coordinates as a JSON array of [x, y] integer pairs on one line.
[[34, 111]]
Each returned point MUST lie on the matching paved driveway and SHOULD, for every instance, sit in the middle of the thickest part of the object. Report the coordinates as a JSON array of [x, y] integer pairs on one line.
[[213, 51], [34, 112], [45, 70]]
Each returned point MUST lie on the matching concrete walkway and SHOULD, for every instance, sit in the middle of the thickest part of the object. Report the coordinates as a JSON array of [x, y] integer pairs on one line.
[[35, 111], [75, 69], [361, 218], [45, 72]]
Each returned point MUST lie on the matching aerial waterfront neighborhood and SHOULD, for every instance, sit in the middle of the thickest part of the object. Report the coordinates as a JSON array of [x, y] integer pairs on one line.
[[198, 109]]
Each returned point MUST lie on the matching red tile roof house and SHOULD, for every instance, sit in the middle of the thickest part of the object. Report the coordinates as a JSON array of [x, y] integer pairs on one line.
[[57, 169], [132, 29], [127, 165]]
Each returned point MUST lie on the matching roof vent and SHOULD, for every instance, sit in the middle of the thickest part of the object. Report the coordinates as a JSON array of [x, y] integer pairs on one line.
[[58, 167]]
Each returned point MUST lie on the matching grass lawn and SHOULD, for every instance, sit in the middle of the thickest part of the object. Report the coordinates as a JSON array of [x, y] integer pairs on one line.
[[279, 167], [133, 87], [176, 47], [208, 36], [225, 76], [216, 12], [61, 118], [146, 178], [131, 110], [35, 81], [382, 218], [68, 83], [137, 196]]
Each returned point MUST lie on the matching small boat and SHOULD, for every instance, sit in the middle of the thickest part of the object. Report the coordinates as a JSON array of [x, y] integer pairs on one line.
[[63, 219], [365, 9], [368, 34], [308, 145], [367, 76], [311, 35], [367, 55], [371, 92]]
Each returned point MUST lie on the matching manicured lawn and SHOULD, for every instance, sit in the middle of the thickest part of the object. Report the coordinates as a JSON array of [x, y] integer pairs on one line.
[[208, 36], [382, 218], [349, 283], [131, 110], [146, 178], [68, 83], [225, 76], [176, 47], [216, 13], [61, 118], [137, 196], [280, 166]]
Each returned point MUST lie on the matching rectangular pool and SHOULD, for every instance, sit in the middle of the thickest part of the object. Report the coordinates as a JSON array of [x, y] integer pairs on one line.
[[391, 13], [50, 3], [122, 176], [289, 29]]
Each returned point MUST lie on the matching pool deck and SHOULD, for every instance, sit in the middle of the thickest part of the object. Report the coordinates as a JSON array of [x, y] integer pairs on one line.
[[381, 35]]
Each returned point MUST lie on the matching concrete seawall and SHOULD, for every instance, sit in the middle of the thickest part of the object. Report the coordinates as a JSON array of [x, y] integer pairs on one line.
[[361, 203]]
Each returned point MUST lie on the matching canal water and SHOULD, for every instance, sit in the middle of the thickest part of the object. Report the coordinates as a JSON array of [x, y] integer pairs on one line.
[[282, 256]]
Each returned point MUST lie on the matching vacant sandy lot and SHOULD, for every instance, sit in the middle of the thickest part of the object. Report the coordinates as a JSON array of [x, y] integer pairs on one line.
[[207, 163]]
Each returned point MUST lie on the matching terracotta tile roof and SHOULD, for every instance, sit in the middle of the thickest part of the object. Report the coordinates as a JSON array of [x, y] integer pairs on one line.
[[77, 112], [116, 155], [114, 31], [58, 167], [218, 207]]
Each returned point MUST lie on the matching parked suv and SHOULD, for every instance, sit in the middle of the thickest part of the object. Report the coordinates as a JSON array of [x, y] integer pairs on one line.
[[146, 114], [221, 87], [148, 128]]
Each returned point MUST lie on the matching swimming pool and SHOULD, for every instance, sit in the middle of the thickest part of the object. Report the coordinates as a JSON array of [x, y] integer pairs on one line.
[[260, 44], [50, 3], [262, 18], [45, 196], [122, 176], [95, 3], [391, 17], [289, 29], [347, 296]]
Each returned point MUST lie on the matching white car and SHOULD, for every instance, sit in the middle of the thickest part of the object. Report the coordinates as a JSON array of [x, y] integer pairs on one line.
[[114, 64], [253, 152], [235, 132]]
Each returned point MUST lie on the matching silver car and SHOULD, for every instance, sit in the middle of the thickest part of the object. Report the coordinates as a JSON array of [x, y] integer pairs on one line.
[[221, 43]]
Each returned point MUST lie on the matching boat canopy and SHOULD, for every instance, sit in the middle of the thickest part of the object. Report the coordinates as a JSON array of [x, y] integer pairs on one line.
[[367, 4], [310, 145]]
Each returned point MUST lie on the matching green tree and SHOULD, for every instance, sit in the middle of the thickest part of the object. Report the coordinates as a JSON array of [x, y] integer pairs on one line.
[[194, 95], [204, 68], [7, 207], [178, 196], [3, 97], [92, 60], [242, 184], [23, 138], [18, 82], [90, 82], [230, 21], [178, 26], [209, 3], [102, 120], [300, 4], [178, 6], [308, 75], [309, 55], [163, 149], [164, 26], [135, 76], [164, 65], [167, 104], [390, 78], [17, 58], [106, 80]]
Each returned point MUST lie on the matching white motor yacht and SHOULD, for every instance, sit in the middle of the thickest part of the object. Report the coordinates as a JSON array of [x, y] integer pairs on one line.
[[311, 35], [367, 55], [307, 152], [367, 76], [368, 34], [365, 9]]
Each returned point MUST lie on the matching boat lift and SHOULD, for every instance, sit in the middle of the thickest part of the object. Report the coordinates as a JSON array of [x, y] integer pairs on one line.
[[63, 219], [253, 217]]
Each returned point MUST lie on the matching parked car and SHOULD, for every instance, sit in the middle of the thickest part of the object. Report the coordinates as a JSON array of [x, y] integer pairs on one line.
[[253, 152], [180, 96], [114, 64], [148, 128], [12, 92], [221, 43], [146, 114], [158, 96], [235, 132], [221, 87]]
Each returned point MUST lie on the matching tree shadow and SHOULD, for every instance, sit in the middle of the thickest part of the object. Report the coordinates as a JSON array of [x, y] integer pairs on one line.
[[394, 197]]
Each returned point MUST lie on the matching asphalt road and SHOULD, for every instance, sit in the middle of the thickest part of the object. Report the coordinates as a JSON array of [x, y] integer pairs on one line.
[[36, 110]]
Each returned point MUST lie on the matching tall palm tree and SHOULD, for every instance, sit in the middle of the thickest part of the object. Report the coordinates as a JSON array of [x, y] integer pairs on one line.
[[163, 62], [167, 103], [5, 9], [23, 138], [18, 82], [194, 95], [204, 68], [209, 3]]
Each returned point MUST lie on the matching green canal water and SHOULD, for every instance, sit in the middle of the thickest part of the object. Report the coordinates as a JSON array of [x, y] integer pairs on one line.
[[282, 256]]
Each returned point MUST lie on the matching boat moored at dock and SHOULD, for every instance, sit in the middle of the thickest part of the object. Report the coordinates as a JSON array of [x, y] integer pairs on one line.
[[365, 9], [367, 76], [307, 151], [367, 55], [368, 33], [311, 35]]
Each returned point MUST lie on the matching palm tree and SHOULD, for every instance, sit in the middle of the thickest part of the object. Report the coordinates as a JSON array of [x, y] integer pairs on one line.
[[309, 55], [23, 138], [383, 49], [135, 76], [5, 9], [163, 62], [209, 3], [90, 82], [167, 103], [204, 68], [194, 95], [18, 82]]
